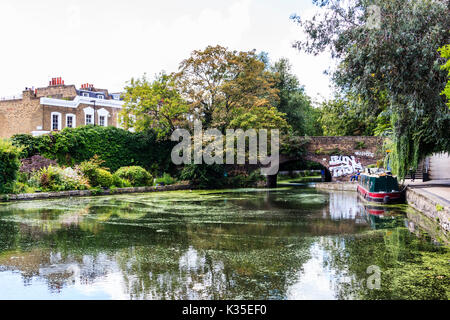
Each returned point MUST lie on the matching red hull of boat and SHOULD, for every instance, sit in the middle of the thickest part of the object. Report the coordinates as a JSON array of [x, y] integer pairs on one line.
[[386, 197]]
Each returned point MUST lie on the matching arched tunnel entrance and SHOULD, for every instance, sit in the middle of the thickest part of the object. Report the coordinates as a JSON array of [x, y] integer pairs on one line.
[[297, 167]]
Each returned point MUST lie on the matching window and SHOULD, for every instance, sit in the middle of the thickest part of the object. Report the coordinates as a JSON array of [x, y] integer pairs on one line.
[[89, 115], [103, 116], [70, 121], [55, 122], [85, 94], [55, 119], [100, 96]]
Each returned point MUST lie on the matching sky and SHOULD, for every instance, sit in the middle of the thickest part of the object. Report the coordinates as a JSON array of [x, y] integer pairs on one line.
[[106, 42]]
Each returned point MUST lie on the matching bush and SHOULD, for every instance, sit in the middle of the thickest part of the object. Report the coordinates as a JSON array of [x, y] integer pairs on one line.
[[119, 182], [29, 145], [96, 175], [20, 187], [216, 176], [55, 178], [136, 175], [244, 180], [204, 175], [35, 163], [104, 178], [9, 165], [166, 179]]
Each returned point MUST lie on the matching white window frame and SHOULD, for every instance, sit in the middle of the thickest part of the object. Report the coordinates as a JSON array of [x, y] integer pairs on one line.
[[59, 120], [103, 113], [89, 111], [74, 120], [91, 118], [85, 94], [119, 121], [100, 96]]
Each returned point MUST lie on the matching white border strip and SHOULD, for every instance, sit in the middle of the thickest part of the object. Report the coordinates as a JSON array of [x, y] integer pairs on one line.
[[81, 100]]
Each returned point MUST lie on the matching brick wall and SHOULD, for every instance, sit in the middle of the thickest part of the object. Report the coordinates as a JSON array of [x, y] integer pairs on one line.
[[346, 144], [27, 114], [79, 113], [59, 92], [20, 116], [365, 150]]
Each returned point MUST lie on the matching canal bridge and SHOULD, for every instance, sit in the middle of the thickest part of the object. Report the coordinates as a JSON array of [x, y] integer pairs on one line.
[[340, 156]]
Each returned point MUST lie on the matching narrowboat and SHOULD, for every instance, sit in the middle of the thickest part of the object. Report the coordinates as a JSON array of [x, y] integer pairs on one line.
[[380, 188]]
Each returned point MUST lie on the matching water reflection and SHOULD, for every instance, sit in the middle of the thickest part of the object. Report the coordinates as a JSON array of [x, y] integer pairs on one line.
[[239, 244]]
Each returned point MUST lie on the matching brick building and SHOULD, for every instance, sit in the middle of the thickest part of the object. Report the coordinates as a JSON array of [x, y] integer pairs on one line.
[[57, 106]]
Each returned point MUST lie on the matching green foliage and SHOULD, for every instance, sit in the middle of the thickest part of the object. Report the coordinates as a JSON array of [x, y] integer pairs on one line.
[[221, 84], [360, 145], [445, 53], [96, 191], [97, 176], [204, 176], [293, 101], [156, 105], [261, 118], [394, 67], [55, 178], [104, 178], [335, 151], [293, 145], [28, 144], [117, 147], [216, 176], [136, 175], [119, 182], [166, 179], [9, 165], [249, 180], [20, 187], [341, 117]]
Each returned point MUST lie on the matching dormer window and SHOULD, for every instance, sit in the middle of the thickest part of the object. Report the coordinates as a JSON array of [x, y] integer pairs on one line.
[[85, 94], [100, 96]]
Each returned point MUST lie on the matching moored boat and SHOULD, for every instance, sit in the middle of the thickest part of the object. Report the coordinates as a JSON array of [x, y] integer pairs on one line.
[[380, 188]]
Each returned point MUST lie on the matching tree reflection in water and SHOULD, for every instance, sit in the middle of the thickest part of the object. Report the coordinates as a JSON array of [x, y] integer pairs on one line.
[[231, 244]]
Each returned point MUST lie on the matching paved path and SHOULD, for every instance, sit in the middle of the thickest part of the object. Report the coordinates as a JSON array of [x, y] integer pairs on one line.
[[438, 189]]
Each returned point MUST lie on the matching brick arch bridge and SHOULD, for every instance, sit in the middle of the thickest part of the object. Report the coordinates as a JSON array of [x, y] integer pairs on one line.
[[341, 156]]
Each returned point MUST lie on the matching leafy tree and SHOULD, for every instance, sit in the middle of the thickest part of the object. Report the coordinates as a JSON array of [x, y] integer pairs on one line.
[[340, 117], [9, 165], [154, 105], [261, 118], [445, 53], [391, 49], [293, 100], [220, 84]]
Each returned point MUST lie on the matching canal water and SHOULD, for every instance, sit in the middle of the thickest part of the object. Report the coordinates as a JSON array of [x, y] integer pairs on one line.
[[285, 243]]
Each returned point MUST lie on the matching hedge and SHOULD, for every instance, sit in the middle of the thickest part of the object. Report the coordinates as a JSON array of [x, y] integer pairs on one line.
[[9, 165], [117, 147]]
